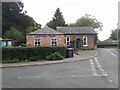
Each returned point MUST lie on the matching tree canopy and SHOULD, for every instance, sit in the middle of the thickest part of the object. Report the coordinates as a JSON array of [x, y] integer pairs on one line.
[[13, 16], [115, 34], [57, 20], [15, 34], [87, 21]]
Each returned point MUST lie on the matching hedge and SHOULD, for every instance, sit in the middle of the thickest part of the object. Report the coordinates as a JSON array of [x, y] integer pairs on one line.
[[30, 54]]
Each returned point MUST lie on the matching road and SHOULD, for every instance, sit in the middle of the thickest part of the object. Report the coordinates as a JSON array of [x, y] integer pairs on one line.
[[99, 72]]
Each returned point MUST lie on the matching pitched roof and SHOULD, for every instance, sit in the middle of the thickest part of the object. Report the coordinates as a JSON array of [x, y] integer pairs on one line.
[[45, 30], [76, 30]]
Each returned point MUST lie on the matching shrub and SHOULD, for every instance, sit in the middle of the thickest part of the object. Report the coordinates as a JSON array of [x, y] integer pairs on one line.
[[55, 56], [30, 54]]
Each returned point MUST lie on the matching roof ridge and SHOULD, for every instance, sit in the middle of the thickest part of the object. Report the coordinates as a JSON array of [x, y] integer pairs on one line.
[[46, 30]]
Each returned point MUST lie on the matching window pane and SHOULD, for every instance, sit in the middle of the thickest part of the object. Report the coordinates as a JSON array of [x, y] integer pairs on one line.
[[84, 43], [9, 43], [67, 38], [38, 42], [35, 40], [68, 43]]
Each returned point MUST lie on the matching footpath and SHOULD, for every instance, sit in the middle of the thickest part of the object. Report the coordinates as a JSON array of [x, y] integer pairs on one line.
[[83, 55]]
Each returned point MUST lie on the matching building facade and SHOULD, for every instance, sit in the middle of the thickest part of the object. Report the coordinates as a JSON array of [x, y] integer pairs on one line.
[[76, 37]]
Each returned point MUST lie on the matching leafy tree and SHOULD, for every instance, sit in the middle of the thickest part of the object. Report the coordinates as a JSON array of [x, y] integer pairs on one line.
[[14, 34], [14, 16], [33, 27], [72, 25], [57, 20], [87, 21], [115, 34]]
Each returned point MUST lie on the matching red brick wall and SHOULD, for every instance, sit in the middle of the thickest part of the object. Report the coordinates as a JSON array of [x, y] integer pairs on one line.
[[45, 40], [90, 38]]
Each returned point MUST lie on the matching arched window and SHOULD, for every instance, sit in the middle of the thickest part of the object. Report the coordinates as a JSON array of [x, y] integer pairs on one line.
[[85, 43], [67, 40]]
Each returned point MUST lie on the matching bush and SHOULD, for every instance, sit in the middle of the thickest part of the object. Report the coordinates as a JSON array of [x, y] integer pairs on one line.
[[55, 56], [30, 54]]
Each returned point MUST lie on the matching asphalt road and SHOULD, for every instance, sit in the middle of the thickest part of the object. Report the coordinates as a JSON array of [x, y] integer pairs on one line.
[[99, 72]]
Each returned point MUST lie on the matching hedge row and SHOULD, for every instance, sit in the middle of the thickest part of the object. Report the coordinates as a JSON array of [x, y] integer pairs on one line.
[[30, 54]]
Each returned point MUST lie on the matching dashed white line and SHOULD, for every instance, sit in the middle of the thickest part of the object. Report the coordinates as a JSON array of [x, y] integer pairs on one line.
[[113, 54], [110, 52], [60, 76], [93, 68], [101, 69], [103, 73]]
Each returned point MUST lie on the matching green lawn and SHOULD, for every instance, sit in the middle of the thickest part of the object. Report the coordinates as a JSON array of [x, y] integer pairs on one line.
[[118, 49]]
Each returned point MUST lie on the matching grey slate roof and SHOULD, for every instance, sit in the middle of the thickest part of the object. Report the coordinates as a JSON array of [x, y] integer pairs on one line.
[[76, 30], [45, 30]]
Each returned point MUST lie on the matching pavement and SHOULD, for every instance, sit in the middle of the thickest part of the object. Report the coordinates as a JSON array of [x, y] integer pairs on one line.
[[83, 55]]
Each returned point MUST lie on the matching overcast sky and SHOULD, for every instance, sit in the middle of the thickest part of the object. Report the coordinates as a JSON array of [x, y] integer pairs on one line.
[[105, 11]]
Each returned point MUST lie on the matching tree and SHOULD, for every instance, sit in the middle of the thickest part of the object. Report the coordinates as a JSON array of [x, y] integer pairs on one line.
[[72, 25], [33, 27], [57, 20], [14, 34], [88, 21], [115, 34], [10, 12], [14, 16]]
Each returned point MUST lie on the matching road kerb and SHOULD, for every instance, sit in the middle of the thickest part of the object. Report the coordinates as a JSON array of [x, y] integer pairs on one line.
[[49, 63]]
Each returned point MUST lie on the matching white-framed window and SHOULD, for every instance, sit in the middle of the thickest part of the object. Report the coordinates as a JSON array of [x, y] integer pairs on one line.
[[85, 43], [3, 43], [67, 40], [54, 42], [37, 42], [9, 43]]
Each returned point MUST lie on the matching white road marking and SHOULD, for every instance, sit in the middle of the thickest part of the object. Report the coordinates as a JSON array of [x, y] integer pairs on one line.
[[101, 69], [113, 54], [95, 74], [110, 52], [99, 65], [60, 76], [96, 61], [95, 58], [103, 73], [93, 68], [91, 61]]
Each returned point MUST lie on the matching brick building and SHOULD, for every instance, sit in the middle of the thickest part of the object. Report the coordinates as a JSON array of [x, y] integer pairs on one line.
[[76, 37]]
